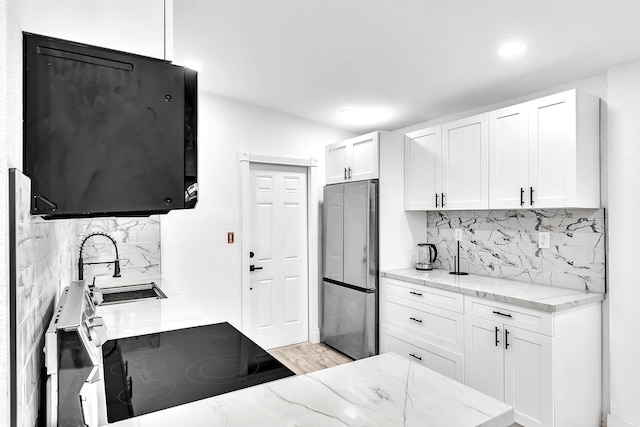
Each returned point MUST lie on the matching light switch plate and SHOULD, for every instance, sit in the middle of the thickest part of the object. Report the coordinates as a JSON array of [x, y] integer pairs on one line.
[[544, 240], [458, 234]]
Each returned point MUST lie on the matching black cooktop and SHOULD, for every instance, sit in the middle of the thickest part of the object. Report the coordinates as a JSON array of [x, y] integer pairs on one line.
[[148, 373]]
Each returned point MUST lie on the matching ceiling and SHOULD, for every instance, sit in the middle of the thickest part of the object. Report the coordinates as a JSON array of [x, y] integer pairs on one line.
[[419, 59]]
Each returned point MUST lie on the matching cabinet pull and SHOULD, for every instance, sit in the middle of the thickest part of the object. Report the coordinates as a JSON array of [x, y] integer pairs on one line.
[[521, 196], [415, 320], [345, 173], [415, 357], [506, 338], [415, 293], [497, 340], [436, 200], [531, 195], [349, 173], [502, 314], [442, 199]]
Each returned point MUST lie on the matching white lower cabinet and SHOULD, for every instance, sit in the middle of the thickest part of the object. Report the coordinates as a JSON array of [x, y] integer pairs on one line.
[[425, 325], [547, 365]]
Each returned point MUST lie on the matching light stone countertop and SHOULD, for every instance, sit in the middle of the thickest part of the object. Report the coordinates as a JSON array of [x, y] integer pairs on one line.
[[539, 297], [129, 319], [384, 390]]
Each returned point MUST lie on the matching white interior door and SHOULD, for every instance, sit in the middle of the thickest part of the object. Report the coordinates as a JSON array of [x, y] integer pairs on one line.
[[279, 283]]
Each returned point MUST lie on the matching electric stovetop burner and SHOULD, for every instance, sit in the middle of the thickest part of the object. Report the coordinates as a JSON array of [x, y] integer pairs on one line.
[[148, 373]]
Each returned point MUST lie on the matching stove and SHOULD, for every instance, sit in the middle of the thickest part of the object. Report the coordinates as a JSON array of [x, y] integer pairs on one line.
[[151, 372]]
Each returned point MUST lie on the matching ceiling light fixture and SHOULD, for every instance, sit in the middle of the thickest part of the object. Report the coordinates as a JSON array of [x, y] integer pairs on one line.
[[512, 50], [364, 115]]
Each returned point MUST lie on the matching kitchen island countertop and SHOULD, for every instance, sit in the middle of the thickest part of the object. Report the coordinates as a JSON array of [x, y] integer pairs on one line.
[[539, 297], [384, 390]]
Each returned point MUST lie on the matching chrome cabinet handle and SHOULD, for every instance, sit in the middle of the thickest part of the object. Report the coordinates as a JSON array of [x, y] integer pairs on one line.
[[415, 357], [345, 173], [436, 200], [497, 341], [442, 199], [521, 196], [415, 320], [415, 293], [531, 195], [349, 173], [506, 338]]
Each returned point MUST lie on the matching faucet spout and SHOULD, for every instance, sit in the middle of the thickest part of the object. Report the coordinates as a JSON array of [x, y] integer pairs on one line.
[[81, 263]]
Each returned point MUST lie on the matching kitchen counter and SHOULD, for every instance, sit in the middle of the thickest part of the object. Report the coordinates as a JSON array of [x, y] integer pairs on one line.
[[539, 297], [128, 319], [384, 390]]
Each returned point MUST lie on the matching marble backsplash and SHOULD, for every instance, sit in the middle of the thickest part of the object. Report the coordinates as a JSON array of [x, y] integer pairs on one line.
[[504, 244], [41, 268], [138, 241]]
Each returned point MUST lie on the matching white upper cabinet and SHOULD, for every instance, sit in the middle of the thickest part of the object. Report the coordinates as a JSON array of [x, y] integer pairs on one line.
[[509, 154], [144, 27], [545, 153], [446, 167], [564, 151], [422, 168], [465, 163], [355, 159]]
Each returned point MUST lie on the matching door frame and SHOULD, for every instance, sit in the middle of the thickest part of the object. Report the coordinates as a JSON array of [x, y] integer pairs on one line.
[[311, 164]]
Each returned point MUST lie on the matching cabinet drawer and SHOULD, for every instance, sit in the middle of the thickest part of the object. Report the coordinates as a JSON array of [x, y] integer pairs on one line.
[[520, 317], [448, 300], [436, 326], [443, 361]]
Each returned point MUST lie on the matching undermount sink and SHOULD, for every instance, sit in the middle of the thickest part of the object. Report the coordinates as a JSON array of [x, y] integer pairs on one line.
[[130, 293]]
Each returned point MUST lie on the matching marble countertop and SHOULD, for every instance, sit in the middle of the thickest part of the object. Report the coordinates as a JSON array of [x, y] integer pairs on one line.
[[129, 319], [384, 390], [539, 297]]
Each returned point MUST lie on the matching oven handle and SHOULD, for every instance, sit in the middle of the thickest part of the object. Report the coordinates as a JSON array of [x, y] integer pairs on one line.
[[89, 398]]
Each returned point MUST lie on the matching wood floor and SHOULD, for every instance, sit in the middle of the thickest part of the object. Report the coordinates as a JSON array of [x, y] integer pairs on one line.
[[306, 357]]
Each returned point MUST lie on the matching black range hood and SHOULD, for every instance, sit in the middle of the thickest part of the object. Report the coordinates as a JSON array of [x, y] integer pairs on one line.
[[107, 133]]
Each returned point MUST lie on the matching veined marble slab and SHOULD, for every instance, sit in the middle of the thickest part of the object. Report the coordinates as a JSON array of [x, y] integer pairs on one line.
[[539, 297], [384, 390]]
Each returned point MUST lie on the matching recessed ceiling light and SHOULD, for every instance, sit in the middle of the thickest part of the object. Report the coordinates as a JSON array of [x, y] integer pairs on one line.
[[364, 115], [511, 50], [194, 65]]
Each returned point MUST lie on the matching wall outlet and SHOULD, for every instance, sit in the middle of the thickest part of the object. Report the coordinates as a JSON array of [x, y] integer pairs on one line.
[[458, 234], [544, 240]]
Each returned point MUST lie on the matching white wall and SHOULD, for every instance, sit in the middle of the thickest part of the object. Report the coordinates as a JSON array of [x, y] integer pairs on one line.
[[10, 156], [624, 243], [194, 242]]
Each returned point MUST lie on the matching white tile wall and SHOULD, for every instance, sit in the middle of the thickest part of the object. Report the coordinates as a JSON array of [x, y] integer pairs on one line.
[[43, 267]]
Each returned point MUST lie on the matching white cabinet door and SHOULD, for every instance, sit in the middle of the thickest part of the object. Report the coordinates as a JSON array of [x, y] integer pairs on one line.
[[483, 356], [509, 154], [364, 157], [355, 159], [552, 150], [465, 163], [422, 169], [527, 367], [336, 155]]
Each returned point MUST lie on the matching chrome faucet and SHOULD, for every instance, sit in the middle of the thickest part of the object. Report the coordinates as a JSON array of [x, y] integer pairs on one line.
[[115, 262]]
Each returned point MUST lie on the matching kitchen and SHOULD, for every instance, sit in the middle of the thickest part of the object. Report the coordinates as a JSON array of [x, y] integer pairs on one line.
[[200, 236]]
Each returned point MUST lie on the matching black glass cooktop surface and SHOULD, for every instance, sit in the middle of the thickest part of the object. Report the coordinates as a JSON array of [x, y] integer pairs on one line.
[[148, 373]]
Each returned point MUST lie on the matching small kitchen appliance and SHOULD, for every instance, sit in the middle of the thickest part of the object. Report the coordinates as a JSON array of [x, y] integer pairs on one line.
[[426, 255]]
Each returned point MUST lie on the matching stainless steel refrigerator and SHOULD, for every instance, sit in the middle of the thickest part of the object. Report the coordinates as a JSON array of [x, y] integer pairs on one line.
[[350, 268]]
